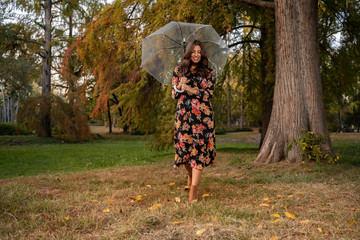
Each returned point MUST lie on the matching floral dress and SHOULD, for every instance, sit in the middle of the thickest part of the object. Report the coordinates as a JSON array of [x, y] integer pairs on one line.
[[194, 122]]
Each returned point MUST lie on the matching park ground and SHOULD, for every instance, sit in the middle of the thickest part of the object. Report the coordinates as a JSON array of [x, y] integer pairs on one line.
[[116, 188]]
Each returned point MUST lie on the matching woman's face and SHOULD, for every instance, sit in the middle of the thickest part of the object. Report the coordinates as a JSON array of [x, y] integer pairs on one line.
[[196, 54]]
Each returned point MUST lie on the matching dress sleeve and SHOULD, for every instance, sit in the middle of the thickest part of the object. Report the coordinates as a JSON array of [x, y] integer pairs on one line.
[[175, 80], [207, 88]]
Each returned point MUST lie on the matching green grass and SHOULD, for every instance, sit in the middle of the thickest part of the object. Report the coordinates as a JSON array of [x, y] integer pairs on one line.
[[29, 155]]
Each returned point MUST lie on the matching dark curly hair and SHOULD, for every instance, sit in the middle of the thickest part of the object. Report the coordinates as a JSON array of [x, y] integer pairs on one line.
[[201, 67]]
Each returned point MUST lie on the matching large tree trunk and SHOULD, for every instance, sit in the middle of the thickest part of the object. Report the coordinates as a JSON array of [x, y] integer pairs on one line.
[[228, 100], [45, 106], [298, 102]]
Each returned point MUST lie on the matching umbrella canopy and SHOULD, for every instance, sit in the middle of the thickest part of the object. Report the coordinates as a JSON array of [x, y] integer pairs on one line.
[[164, 49]]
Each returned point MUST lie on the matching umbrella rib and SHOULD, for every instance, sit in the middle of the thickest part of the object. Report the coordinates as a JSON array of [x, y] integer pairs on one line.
[[164, 36], [152, 55]]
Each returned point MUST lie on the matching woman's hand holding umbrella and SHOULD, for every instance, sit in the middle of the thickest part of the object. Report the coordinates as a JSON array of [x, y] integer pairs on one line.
[[188, 89]]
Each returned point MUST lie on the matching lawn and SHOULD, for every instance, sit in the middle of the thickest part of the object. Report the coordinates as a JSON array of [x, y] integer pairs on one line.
[[117, 188]]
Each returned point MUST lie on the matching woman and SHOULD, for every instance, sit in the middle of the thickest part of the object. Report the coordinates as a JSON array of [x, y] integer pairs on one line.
[[193, 84]]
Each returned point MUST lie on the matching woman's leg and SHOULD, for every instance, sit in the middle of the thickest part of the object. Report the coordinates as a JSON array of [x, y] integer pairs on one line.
[[189, 172], [196, 174]]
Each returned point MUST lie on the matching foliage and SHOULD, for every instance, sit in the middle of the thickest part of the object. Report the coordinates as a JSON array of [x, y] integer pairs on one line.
[[310, 146], [68, 120]]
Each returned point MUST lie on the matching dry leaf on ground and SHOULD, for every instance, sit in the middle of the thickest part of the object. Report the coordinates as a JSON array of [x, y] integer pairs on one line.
[[106, 210], [155, 206], [200, 232], [290, 215]]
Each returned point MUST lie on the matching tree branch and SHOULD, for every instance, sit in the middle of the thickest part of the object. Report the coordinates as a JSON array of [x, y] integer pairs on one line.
[[242, 42], [30, 41], [259, 3]]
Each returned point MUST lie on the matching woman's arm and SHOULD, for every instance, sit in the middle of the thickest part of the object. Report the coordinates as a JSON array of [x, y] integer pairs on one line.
[[206, 90], [177, 86]]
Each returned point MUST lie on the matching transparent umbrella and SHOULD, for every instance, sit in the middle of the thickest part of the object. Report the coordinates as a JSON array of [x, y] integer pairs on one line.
[[164, 49]]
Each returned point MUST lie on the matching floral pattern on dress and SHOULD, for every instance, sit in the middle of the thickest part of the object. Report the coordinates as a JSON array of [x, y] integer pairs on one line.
[[194, 133]]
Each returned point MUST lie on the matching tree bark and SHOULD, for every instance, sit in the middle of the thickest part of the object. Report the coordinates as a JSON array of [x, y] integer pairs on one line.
[[45, 105], [228, 100], [109, 116], [298, 102]]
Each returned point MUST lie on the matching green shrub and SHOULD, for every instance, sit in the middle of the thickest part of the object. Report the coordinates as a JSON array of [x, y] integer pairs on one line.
[[220, 130], [311, 149], [7, 129]]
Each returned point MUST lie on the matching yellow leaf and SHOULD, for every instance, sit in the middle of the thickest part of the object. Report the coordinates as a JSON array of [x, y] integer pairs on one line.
[[205, 195], [106, 210], [274, 237], [280, 196], [290, 196], [149, 186], [67, 218], [319, 229], [268, 200], [275, 221], [171, 184], [155, 206], [285, 207], [186, 188], [305, 221], [200, 232], [176, 223], [177, 199], [275, 215], [351, 223], [290, 215], [272, 207], [111, 202], [94, 200], [138, 198], [264, 205]]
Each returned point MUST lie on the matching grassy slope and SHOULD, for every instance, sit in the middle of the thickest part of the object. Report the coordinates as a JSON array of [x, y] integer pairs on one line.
[[325, 199]]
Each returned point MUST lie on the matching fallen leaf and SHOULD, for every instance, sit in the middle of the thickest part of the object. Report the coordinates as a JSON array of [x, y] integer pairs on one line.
[[171, 184], [290, 215], [149, 186], [267, 200], [351, 223], [285, 207], [155, 206], [138, 198], [176, 223], [305, 221], [177, 199], [186, 188], [94, 200], [274, 237], [299, 193], [280, 196], [111, 202], [67, 218], [200, 232], [264, 205], [275, 221], [319, 229], [272, 207], [290, 196], [275, 215], [205, 195], [106, 210]]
